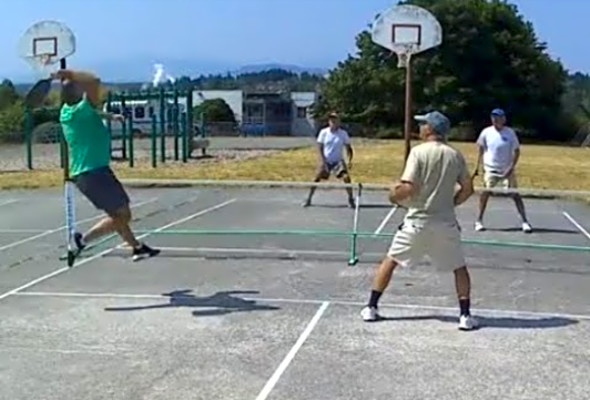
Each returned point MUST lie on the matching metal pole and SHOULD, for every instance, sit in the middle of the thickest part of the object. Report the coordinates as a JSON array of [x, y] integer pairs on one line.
[[189, 126], [353, 260], [154, 141], [109, 122], [408, 108], [162, 126], [29, 136], [175, 125], [123, 128], [130, 123]]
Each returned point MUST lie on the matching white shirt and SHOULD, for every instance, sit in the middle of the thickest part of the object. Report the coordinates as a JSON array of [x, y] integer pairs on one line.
[[499, 148], [334, 143]]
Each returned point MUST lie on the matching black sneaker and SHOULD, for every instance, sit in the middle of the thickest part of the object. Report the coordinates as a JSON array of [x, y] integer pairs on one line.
[[143, 252], [80, 245]]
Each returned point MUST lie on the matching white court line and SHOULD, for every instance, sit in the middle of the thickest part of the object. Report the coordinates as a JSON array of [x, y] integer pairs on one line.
[[7, 202], [270, 384], [96, 256], [333, 301], [252, 250], [52, 231], [23, 230], [576, 224], [385, 220]]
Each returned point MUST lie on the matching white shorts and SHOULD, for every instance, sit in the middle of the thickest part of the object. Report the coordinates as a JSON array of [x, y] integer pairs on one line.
[[441, 243]]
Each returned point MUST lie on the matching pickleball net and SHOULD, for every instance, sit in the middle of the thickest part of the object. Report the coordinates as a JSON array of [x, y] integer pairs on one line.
[[266, 220]]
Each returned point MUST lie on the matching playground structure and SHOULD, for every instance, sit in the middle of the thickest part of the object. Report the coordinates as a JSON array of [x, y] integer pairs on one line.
[[157, 114], [162, 113]]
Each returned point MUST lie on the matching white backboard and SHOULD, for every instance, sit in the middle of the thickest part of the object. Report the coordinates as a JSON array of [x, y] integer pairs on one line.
[[407, 29], [46, 42]]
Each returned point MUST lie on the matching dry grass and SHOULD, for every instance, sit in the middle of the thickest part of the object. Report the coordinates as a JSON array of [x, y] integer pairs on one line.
[[540, 167]]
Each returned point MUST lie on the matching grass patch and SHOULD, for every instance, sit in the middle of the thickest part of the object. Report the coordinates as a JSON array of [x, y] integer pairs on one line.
[[540, 167]]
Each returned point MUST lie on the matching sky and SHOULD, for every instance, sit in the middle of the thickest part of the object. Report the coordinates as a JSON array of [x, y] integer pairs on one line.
[[222, 34]]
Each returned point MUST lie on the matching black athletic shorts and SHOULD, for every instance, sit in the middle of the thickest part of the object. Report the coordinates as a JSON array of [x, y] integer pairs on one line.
[[102, 188]]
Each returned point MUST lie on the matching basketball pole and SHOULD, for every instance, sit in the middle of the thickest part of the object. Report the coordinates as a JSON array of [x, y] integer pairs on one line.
[[65, 149], [408, 109]]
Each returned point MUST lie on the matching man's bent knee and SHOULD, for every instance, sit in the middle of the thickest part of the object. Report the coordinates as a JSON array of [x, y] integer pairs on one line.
[[122, 215]]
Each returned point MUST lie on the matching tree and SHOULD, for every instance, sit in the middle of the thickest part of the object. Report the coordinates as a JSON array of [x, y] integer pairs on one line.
[[215, 110], [490, 57], [8, 94]]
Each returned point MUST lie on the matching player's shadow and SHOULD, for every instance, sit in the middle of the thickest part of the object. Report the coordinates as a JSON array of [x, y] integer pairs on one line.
[[220, 303], [496, 322]]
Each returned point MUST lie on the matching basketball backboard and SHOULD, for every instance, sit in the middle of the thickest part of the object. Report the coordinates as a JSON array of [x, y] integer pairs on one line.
[[45, 44], [406, 30]]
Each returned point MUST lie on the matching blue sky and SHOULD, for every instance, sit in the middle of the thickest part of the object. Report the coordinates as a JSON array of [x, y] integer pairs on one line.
[[230, 33]]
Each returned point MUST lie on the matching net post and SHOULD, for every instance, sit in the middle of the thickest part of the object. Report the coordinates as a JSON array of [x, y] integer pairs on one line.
[[353, 259]]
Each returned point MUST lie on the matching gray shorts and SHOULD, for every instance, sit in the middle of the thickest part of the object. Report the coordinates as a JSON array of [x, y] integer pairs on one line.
[[338, 169], [102, 188]]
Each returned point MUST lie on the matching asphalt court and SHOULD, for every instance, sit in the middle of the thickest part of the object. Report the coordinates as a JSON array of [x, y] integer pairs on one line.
[[179, 326]]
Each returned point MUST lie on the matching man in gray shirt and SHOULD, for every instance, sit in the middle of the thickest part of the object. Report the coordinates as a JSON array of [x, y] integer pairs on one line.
[[428, 188]]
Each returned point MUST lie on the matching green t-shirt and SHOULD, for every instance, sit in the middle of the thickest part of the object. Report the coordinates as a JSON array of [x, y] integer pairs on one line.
[[87, 137]]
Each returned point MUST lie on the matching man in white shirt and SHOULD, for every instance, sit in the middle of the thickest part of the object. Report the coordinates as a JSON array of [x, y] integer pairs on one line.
[[500, 150], [331, 142], [428, 188]]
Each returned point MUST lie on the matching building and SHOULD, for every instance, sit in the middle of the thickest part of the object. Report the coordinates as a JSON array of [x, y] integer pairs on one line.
[[264, 113]]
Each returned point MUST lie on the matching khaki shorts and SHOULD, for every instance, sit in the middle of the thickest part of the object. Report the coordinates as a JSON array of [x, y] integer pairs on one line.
[[493, 180], [441, 243]]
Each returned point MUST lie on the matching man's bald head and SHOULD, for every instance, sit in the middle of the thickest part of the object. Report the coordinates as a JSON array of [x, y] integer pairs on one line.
[[71, 92]]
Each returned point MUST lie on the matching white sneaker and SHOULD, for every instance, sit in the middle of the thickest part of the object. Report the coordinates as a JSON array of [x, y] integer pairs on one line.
[[370, 314], [479, 226], [526, 227], [467, 323]]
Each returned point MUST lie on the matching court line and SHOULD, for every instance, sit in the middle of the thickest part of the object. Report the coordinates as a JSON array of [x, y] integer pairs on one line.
[[23, 230], [576, 224], [7, 202], [270, 384], [252, 250], [98, 255], [334, 301], [61, 228], [385, 220]]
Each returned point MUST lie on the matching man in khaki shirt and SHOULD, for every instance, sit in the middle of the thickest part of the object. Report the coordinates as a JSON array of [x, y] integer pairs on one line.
[[428, 188]]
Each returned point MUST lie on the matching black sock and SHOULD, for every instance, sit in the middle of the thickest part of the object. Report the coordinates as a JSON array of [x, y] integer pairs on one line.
[[374, 299], [464, 305]]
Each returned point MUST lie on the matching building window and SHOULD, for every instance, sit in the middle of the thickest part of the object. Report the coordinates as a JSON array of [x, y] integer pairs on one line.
[[301, 112], [139, 112]]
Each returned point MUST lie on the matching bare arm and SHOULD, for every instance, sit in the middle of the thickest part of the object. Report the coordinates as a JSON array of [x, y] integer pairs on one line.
[[401, 191], [479, 158], [349, 153], [464, 192], [110, 116], [89, 81]]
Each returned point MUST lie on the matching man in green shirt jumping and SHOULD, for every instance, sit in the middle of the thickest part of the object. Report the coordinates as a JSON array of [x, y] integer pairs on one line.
[[89, 148]]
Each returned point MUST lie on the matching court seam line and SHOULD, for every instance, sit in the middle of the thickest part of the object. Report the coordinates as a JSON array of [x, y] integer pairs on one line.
[[61, 228], [385, 221], [7, 202], [576, 224], [97, 256], [333, 301], [273, 380], [14, 231]]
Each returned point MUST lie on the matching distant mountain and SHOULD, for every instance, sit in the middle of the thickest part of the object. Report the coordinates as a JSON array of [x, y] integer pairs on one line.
[[248, 69], [142, 69]]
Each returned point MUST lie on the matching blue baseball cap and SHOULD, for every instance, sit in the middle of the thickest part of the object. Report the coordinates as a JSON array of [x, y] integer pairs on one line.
[[498, 112], [437, 120]]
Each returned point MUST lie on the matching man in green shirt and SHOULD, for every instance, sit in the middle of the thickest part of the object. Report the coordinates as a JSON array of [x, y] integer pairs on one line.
[[89, 150]]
